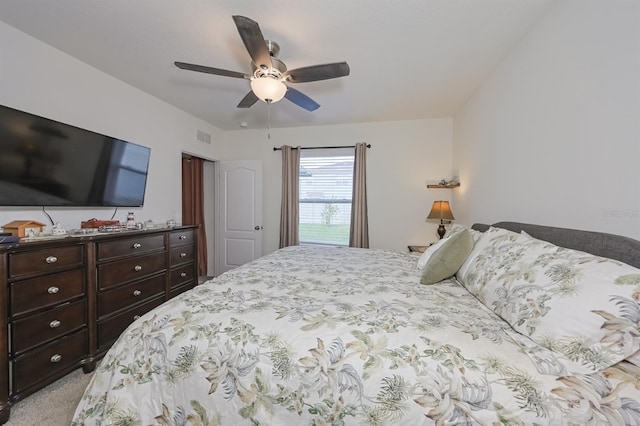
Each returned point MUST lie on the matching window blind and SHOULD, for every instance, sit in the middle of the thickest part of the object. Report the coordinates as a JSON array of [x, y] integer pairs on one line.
[[326, 186]]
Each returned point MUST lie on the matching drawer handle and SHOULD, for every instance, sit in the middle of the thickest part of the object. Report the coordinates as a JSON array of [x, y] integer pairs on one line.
[[137, 245], [136, 317], [53, 289], [183, 274], [183, 254], [183, 237], [51, 259], [54, 324], [56, 358], [137, 268], [137, 292]]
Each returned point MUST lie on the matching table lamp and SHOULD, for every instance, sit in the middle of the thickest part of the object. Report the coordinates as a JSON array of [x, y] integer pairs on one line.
[[441, 210]]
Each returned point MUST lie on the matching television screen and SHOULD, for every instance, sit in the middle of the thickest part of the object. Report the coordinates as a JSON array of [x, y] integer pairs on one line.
[[48, 163]]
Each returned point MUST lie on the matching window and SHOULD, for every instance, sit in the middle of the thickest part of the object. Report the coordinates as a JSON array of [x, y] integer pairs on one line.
[[326, 185]]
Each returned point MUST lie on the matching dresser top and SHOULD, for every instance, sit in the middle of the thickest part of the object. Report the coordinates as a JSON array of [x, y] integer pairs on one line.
[[63, 240]]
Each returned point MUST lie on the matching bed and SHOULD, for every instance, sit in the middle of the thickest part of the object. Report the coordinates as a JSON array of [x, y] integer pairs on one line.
[[342, 336]]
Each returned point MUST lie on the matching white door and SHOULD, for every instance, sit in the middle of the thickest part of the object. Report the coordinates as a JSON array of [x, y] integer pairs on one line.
[[239, 235], [210, 213]]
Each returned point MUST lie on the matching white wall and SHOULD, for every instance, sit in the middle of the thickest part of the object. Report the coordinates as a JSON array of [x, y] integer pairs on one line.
[[554, 136], [41, 80], [404, 154]]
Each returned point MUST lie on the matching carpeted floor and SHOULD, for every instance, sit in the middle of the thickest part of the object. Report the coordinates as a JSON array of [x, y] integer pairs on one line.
[[53, 405]]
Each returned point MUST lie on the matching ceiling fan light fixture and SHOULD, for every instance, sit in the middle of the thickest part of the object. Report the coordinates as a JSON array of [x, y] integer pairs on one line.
[[268, 89]]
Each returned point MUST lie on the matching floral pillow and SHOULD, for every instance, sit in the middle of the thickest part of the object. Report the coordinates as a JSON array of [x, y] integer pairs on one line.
[[581, 307], [456, 227], [634, 359]]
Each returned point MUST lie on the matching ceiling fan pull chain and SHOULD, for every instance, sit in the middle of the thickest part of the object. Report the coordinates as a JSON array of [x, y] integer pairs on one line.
[[268, 119]]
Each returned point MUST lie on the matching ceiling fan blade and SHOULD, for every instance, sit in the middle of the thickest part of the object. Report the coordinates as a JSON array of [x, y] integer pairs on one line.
[[210, 70], [301, 99], [254, 41], [248, 101], [317, 72]]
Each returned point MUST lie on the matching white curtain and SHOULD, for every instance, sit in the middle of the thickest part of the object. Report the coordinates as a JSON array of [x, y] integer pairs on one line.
[[289, 210], [359, 232]]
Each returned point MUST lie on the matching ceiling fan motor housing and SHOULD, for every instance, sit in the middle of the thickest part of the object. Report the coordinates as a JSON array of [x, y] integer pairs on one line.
[[274, 48], [278, 67]]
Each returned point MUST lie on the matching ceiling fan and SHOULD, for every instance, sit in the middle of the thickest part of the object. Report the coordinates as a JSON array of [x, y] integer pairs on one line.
[[270, 75]]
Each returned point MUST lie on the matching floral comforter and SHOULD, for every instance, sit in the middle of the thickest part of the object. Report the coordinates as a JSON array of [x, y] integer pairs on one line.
[[333, 336]]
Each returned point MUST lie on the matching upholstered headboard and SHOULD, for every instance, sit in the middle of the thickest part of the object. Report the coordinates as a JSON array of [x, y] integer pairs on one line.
[[617, 247]]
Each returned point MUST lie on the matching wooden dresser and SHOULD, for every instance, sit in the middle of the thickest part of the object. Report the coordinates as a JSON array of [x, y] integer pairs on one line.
[[182, 257], [65, 301]]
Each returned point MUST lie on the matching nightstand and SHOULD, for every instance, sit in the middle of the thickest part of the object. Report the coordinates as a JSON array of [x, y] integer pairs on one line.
[[417, 249]]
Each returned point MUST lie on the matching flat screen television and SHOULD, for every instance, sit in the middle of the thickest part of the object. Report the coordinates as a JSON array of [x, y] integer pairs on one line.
[[47, 163]]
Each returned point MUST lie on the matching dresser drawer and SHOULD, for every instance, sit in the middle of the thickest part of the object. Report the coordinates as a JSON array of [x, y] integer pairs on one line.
[[181, 289], [181, 237], [130, 246], [181, 254], [121, 297], [41, 363], [114, 273], [44, 261], [110, 329], [37, 293], [182, 275], [36, 329]]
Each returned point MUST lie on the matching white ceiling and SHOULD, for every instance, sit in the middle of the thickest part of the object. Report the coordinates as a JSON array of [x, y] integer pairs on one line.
[[409, 59]]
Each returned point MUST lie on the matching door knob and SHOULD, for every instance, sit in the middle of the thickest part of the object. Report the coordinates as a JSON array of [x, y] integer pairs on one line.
[[258, 227]]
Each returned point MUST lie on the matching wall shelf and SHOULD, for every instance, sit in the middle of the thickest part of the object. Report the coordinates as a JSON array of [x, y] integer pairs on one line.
[[443, 186]]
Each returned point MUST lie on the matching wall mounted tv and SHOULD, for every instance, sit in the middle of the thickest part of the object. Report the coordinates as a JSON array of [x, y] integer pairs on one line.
[[47, 163]]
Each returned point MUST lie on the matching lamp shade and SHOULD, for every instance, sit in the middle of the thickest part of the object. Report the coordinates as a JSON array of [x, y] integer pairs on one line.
[[268, 89], [441, 211]]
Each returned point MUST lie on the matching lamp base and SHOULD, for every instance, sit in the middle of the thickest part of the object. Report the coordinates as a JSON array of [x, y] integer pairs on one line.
[[441, 231]]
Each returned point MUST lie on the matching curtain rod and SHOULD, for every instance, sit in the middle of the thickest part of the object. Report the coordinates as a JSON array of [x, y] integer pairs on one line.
[[322, 147]]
